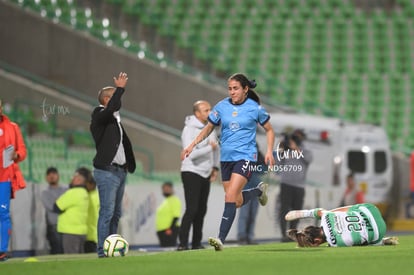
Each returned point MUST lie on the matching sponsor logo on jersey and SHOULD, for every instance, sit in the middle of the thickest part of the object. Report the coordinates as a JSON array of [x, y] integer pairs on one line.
[[330, 229], [234, 126], [366, 222], [235, 113], [338, 225]]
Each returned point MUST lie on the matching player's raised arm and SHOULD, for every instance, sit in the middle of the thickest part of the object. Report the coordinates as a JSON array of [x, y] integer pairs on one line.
[[203, 135]]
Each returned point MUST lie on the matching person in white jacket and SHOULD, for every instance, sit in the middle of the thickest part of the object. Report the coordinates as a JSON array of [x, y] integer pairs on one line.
[[197, 171]]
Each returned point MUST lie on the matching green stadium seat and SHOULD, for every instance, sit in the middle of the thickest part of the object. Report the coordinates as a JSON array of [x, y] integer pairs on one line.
[[114, 2], [373, 116], [352, 55]]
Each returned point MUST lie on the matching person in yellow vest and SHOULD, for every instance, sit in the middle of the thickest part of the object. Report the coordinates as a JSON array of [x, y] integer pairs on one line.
[[93, 212], [167, 217], [72, 207]]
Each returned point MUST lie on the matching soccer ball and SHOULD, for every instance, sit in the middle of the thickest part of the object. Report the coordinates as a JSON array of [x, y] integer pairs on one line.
[[115, 246]]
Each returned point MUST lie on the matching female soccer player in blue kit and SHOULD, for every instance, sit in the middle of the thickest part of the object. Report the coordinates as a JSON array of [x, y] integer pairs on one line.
[[238, 116]]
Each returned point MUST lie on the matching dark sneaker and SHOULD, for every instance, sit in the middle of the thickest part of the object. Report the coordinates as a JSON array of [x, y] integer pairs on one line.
[[3, 257], [182, 248], [242, 241], [251, 242]]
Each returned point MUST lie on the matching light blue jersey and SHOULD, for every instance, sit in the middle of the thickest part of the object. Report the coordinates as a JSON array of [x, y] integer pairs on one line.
[[238, 128]]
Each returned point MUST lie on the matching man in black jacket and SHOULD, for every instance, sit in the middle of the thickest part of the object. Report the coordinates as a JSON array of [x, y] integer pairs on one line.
[[114, 158]]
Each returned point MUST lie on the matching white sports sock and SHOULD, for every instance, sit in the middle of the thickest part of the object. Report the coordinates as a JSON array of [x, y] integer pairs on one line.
[[300, 214]]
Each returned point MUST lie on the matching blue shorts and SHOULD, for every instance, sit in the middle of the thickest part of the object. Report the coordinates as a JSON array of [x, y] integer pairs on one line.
[[241, 167], [5, 222]]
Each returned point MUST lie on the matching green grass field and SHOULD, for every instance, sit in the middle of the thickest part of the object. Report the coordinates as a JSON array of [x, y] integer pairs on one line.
[[275, 258]]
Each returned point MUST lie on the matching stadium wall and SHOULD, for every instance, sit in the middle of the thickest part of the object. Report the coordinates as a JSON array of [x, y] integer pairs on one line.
[[164, 149], [137, 224], [79, 61]]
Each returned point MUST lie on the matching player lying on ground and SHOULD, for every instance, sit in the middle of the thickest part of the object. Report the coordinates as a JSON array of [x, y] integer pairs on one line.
[[354, 225]]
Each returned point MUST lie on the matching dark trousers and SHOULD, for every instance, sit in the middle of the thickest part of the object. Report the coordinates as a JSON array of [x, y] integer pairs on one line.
[[90, 247], [196, 191], [54, 238], [168, 239], [73, 244], [291, 198]]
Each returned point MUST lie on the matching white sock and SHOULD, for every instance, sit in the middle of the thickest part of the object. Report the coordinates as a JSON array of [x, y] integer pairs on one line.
[[300, 214]]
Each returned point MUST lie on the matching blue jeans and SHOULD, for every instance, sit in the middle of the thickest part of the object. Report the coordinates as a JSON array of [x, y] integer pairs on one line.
[[248, 212], [111, 186], [5, 223], [247, 220]]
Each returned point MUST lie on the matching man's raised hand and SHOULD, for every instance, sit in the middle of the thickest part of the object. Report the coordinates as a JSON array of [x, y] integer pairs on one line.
[[121, 80]]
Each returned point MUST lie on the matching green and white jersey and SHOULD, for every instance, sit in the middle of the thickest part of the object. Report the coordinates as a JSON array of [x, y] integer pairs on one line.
[[361, 224]]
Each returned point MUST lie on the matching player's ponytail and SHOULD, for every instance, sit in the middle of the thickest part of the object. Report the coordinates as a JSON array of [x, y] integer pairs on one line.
[[253, 95], [245, 82]]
